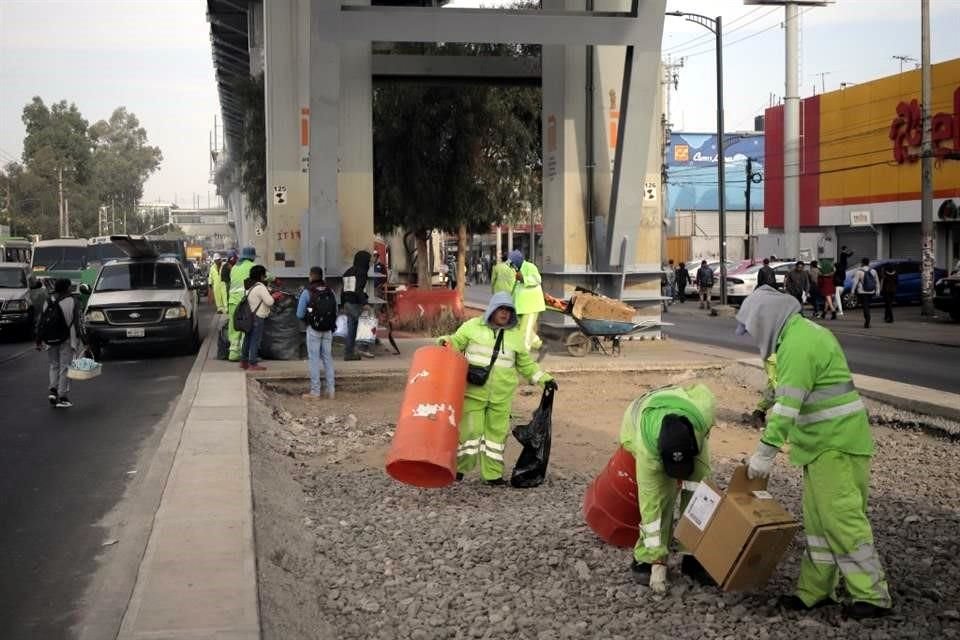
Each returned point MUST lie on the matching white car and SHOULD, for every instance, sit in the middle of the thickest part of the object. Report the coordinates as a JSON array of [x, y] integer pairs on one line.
[[694, 265], [143, 300], [742, 284]]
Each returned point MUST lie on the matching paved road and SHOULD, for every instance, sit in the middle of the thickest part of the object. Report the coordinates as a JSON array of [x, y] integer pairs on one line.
[[926, 365], [61, 471]]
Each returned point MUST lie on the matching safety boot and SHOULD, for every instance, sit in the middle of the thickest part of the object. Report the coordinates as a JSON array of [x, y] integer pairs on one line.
[[859, 610]]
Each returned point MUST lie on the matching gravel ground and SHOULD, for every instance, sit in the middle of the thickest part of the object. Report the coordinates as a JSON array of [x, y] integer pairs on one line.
[[346, 552]]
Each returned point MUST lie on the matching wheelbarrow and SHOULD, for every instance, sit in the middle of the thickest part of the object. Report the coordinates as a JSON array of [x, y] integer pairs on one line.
[[593, 334]]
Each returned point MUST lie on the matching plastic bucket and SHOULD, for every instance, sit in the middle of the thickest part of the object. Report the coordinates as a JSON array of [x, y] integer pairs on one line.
[[610, 504], [424, 448]]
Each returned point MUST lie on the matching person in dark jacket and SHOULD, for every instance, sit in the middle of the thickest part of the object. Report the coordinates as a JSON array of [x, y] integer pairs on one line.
[[353, 298], [816, 299], [797, 283], [842, 265], [682, 280], [888, 290], [705, 284], [766, 276]]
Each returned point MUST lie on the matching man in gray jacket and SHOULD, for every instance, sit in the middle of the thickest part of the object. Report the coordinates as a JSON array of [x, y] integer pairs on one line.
[[797, 283], [61, 333]]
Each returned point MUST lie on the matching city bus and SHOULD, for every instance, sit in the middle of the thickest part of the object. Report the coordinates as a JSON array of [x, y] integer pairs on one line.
[[15, 250]]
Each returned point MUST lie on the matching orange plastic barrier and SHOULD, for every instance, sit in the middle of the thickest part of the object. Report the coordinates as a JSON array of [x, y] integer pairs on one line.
[[610, 505], [412, 303], [424, 448]]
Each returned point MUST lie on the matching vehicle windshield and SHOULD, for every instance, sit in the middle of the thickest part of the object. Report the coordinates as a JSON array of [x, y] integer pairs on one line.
[[63, 258], [12, 279], [103, 252], [140, 275]]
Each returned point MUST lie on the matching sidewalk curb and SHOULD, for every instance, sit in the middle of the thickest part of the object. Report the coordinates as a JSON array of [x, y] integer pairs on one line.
[[118, 583], [899, 395]]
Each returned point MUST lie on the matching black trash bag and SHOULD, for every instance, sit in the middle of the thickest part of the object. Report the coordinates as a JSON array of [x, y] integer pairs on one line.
[[284, 336], [531, 468], [223, 342]]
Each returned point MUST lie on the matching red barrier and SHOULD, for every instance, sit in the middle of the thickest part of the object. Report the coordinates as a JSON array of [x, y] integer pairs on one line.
[[413, 303], [610, 505], [424, 448]]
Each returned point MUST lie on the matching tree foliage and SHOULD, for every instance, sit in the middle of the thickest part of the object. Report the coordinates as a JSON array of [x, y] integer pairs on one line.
[[101, 165], [253, 156], [448, 155]]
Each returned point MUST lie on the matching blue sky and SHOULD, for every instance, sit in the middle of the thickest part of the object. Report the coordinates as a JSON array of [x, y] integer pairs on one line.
[[153, 56]]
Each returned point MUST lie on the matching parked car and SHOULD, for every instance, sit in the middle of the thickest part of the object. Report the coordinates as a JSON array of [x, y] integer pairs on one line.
[[694, 265], [908, 281], [21, 298], [742, 284], [142, 300], [947, 296]]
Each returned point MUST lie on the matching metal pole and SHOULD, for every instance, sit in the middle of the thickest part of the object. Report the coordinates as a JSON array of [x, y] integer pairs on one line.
[[926, 167], [721, 164], [747, 253], [60, 189], [533, 238], [791, 136]]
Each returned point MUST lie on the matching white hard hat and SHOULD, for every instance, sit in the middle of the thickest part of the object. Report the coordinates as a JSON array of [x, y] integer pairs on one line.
[[216, 257]]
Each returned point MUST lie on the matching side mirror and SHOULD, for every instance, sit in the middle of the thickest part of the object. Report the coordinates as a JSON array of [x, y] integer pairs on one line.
[[84, 289]]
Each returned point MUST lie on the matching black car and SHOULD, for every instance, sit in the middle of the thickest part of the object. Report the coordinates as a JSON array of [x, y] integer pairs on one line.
[[947, 296]]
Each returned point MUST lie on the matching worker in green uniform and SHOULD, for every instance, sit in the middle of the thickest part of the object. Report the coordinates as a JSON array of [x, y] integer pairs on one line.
[[216, 285], [667, 431], [503, 277], [528, 298], [238, 276], [819, 413], [486, 408]]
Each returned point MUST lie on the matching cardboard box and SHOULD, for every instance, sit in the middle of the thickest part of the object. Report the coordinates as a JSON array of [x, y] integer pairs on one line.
[[738, 537], [598, 307]]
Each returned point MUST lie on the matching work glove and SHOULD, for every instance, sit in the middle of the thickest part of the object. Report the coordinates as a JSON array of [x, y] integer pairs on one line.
[[761, 461], [443, 341], [550, 385], [658, 578], [519, 277]]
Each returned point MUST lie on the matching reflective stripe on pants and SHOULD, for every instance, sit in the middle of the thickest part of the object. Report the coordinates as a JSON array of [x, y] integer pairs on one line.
[[483, 436]]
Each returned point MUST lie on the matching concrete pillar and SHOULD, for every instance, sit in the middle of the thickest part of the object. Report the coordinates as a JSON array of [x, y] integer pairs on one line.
[[340, 219], [286, 69]]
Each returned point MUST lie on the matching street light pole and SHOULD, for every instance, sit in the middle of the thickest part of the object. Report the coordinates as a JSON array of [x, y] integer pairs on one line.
[[715, 26]]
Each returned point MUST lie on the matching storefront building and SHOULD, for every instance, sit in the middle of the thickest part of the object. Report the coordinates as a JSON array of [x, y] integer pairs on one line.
[[860, 168]]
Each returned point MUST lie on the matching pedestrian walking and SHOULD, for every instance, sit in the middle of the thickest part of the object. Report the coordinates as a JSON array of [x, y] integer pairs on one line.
[[260, 301], [318, 308], [681, 281], [452, 270], [667, 432], [766, 276], [888, 289], [865, 288], [705, 284], [494, 343], [352, 299], [671, 273], [818, 411], [527, 299], [816, 299], [828, 290], [797, 283], [60, 330]]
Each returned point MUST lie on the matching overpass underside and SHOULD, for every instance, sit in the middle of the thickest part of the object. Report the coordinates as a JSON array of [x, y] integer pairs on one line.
[[601, 156]]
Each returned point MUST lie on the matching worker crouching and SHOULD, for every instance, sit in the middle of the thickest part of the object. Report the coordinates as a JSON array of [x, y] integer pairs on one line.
[[667, 432], [493, 343]]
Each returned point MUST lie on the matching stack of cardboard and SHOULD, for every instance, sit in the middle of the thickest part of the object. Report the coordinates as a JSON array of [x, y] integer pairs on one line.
[[589, 306], [738, 537]]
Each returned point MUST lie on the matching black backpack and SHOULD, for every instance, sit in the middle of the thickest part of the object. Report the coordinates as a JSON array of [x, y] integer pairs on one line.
[[53, 327], [243, 316], [321, 310]]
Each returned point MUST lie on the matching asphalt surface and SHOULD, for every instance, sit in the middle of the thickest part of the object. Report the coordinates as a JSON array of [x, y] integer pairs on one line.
[[62, 470], [917, 363]]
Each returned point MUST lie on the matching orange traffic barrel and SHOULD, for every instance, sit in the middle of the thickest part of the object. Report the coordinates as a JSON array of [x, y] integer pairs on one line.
[[424, 448], [610, 505]]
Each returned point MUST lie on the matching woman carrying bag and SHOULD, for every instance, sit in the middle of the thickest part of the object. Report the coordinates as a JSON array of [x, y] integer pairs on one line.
[[494, 347]]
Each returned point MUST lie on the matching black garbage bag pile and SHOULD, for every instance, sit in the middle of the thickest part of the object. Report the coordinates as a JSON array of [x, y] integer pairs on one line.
[[284, 337], [535, 436]]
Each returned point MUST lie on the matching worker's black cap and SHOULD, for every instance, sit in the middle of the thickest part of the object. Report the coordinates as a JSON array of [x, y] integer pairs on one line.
[[678, 446]]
